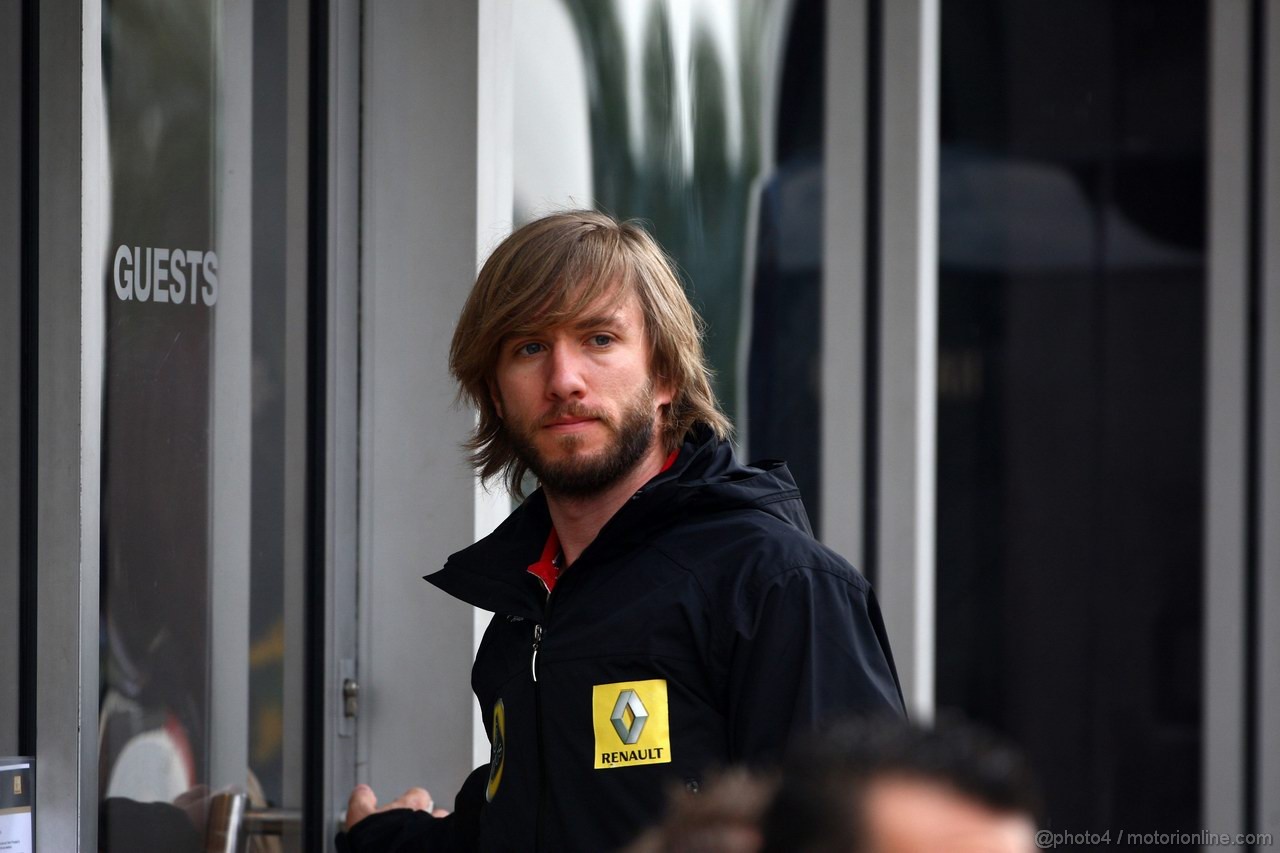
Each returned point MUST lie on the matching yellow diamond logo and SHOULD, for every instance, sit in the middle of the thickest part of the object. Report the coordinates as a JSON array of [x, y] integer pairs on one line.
[[631, 723]]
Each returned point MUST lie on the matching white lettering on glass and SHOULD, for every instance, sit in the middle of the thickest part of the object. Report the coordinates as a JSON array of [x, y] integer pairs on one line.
[[160, 264], [165, 275], [210, 292], [124, 279], [179, 289]]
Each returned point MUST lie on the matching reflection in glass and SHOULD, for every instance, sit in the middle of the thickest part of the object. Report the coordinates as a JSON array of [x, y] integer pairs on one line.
[[704, 119], [187, 349], [1071, 370], [154, 721]]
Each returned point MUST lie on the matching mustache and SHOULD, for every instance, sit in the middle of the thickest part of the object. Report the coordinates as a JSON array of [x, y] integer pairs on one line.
[[573, 410]]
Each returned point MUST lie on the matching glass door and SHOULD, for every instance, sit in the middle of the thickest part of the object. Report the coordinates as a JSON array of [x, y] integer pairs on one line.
[[204, 420]]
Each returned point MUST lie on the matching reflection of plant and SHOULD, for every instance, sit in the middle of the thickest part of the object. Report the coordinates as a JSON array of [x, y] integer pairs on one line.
[[160, 104], [698, 200]]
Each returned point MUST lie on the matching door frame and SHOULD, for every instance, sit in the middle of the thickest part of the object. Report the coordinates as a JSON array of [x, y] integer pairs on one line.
[[12, 298], [333, 600], [71, 234], [1241, 687]]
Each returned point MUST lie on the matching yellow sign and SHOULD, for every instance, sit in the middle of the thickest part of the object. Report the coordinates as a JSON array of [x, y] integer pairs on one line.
[[631, 724], [17, 785]]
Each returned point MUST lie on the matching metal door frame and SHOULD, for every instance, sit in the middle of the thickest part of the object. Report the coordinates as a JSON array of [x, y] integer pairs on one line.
[[1241, 690], [71, 235], [11, 298], [334, 632]]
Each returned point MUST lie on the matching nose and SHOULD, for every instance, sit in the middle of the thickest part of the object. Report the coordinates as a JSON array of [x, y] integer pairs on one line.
[[565, 381]]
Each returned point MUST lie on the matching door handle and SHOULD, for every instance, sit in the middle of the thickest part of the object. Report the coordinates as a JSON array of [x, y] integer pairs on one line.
[[231, 822]]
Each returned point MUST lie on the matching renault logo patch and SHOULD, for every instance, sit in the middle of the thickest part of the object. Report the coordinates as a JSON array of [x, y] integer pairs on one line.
[[498, 753], [631, 726], [629, 716]]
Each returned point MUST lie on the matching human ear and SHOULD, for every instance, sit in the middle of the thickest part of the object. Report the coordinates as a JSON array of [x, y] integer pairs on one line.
[[663, 391], [495, 397]]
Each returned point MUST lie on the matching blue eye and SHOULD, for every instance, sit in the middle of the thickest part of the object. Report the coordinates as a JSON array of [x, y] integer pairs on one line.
[[529, 349], [602, 340]]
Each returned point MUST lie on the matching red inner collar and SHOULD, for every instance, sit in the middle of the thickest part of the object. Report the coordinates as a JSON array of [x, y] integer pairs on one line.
[[546, 569]]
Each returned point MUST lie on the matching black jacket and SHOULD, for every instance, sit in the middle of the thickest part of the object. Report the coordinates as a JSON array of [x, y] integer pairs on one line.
[[701, 628]]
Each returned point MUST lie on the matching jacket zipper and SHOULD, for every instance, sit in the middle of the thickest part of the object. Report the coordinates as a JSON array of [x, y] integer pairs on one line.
[[543, 777], [537, 641], [538, 819]]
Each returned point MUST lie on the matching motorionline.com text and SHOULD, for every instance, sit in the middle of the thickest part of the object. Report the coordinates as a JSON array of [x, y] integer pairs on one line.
[[1048, 839]]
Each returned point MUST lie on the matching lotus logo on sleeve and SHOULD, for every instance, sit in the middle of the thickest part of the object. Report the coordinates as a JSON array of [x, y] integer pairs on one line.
[[631, 724], [498, 753]]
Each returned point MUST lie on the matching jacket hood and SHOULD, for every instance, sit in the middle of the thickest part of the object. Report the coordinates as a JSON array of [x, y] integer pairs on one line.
[[705, 478]]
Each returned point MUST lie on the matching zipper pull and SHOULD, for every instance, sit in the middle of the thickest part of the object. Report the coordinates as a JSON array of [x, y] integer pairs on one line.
[[537, 640]]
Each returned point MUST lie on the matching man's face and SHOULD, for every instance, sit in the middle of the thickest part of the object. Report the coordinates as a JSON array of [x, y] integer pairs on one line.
[[913, 816], [577, 401]]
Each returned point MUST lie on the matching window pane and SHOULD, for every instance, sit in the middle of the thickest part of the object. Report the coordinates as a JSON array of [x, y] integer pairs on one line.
[[1071, 380]]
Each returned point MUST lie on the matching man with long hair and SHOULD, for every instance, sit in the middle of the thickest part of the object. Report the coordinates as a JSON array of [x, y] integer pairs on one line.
[[661, 608]]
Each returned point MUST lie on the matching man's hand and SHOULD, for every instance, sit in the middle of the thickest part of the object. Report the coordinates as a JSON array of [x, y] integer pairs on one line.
[[363, 803]]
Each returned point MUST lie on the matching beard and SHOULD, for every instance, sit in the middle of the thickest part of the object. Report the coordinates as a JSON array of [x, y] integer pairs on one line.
[[580, 475]]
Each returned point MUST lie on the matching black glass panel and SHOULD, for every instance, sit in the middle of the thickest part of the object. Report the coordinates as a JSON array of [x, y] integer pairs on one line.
[[161, 289], [1071, 387]]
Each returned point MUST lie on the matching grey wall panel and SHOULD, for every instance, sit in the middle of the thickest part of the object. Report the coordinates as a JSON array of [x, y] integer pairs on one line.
[[10, 366], [843, 285], [421, 167], [495, 206], [1225, 458]]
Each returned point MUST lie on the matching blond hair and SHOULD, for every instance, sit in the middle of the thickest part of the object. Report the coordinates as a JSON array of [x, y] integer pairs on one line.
[[547, 273]]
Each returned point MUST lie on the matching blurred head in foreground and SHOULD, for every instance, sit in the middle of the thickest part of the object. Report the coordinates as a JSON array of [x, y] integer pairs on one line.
[[723, 818], [890, 787]]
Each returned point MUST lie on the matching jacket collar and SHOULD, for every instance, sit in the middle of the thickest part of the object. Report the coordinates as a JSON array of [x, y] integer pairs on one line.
[[704, 477]]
